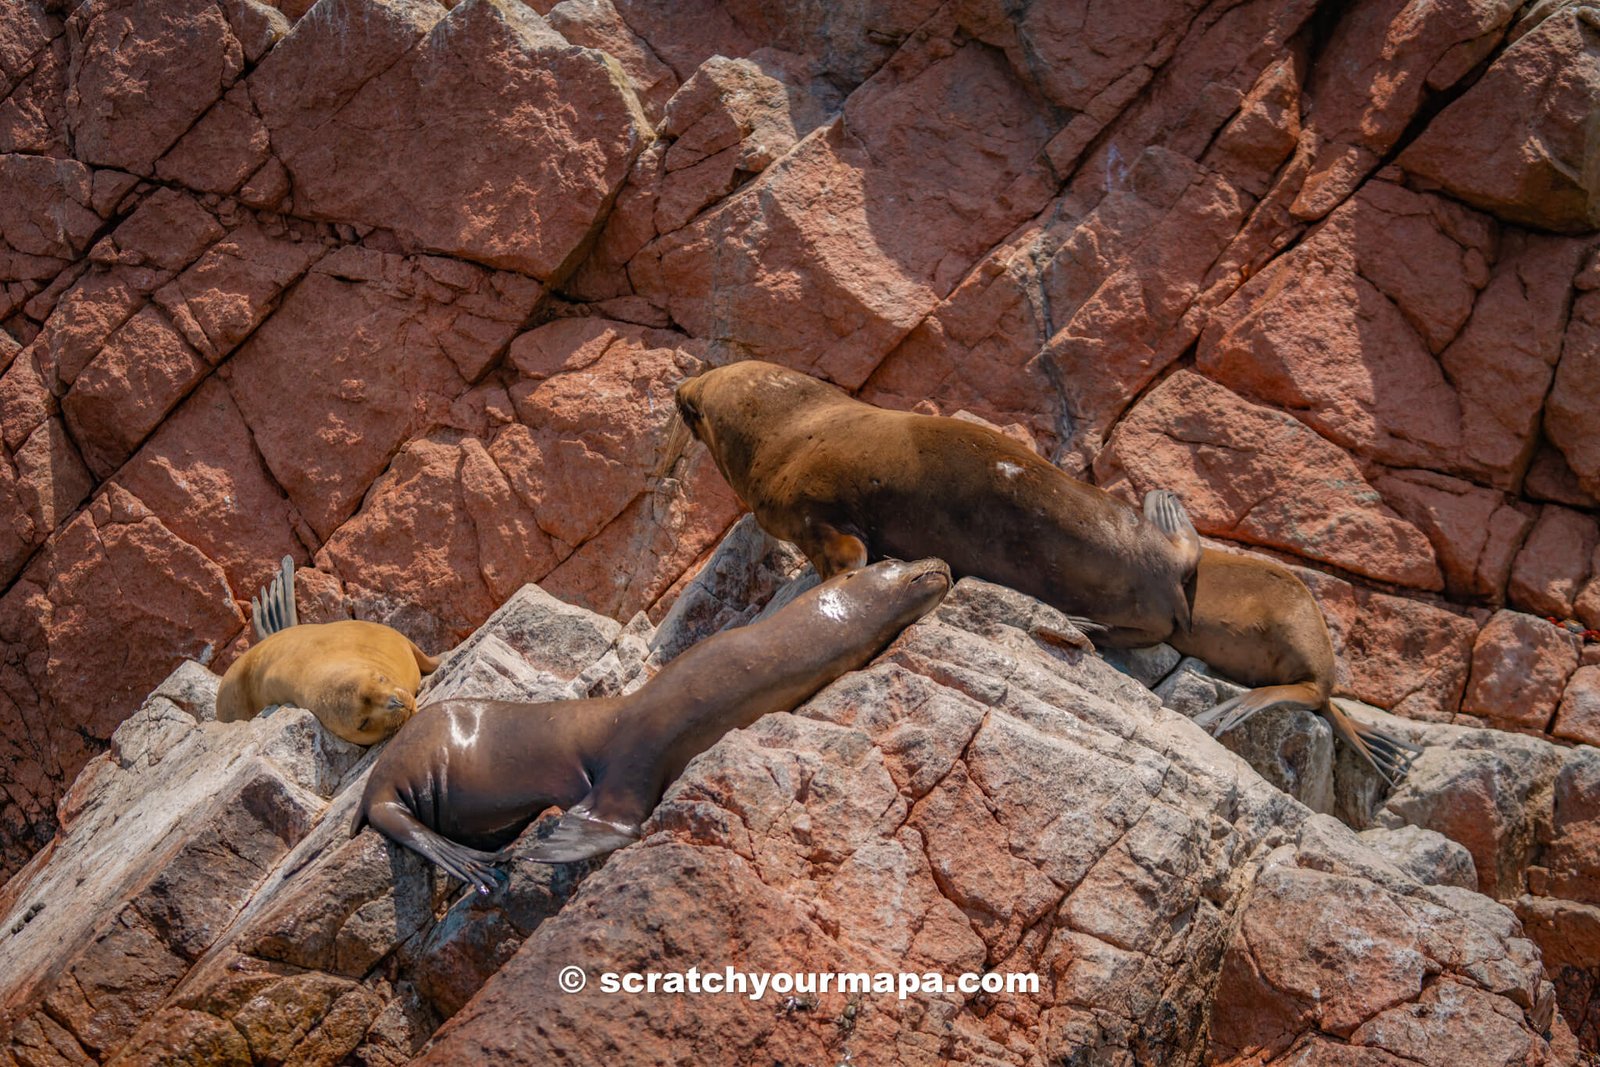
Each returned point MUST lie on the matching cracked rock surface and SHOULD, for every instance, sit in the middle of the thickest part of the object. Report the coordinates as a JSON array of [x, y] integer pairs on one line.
[[982, 797], [401, 289]]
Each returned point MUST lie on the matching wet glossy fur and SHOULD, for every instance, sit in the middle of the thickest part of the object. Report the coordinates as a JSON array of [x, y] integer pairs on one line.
[[467, 776]]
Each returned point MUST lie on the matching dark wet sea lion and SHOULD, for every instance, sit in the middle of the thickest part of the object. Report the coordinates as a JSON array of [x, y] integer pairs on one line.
[[848, 482], [466, 775], [1258, 624], [359, 678]]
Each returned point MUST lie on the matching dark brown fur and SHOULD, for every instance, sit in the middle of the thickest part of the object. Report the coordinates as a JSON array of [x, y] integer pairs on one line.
[[465, 775]]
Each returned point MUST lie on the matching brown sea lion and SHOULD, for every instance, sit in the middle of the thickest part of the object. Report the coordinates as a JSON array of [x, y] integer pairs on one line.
[[1258, 624], [359, 678], [468, 775], [848, 482]]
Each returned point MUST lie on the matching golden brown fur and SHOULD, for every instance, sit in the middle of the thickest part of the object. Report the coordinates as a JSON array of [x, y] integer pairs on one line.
[[1256, 623], [848, 482], [359, 678]]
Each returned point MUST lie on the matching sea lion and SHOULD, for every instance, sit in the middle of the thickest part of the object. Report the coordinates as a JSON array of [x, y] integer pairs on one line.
[[359, 678], [468, 775], [1258, 624], [848, 482]]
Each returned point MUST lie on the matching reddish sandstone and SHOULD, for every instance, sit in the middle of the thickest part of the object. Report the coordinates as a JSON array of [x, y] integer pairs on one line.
[[1520, 665]]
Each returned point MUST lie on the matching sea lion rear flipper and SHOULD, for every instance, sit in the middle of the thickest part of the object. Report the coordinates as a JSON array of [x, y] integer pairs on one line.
[[273, 609], [396, 822], [1389, 756], [1166, 513], [1231, 713], [284, 588], [579, 836]]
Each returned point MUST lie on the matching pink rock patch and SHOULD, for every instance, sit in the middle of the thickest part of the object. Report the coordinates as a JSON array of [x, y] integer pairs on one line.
[[1520, 666], [1253, 474], [527, 140], [143, 73], [822, 263], [1578, 717]]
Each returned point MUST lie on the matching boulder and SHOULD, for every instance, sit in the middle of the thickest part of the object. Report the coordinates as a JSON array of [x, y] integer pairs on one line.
[[1520, 142], [1257, 475]]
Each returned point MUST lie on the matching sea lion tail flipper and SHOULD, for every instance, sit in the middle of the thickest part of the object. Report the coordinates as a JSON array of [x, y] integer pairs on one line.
[[395, 821], [580, 836], [1236, 712]]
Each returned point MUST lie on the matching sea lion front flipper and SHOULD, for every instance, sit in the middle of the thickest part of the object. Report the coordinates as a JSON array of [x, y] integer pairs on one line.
[[1091, 629], [426, 664], [1103, 636], [395, 821], [835, 551], [579, 836], [609, 816]]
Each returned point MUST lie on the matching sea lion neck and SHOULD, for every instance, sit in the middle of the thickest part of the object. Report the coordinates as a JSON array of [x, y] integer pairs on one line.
[[740, 406], [776, 663]]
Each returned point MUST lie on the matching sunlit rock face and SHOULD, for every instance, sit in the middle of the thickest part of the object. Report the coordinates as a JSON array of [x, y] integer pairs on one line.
[[988, 795], [402, 289]]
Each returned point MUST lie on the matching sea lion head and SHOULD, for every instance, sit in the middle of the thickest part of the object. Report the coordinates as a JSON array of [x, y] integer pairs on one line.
[[732, 409], [871, 605], [379, 708]]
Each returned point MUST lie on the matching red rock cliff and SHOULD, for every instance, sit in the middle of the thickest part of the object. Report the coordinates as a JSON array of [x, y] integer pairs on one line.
[[402, 289]]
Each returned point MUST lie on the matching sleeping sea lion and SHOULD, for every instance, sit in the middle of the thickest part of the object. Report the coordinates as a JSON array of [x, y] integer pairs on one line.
[[848, 482], [1258, 624], [359, 678], [467, 775]]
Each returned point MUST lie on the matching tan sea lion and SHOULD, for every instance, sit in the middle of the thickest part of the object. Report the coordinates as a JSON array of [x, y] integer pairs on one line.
[[848, 482], [468, 775], [359, 678], [1258, 624]]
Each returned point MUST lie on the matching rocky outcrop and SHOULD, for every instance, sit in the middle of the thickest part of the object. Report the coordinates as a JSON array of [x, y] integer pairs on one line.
[[987, 796], [400, 288]]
